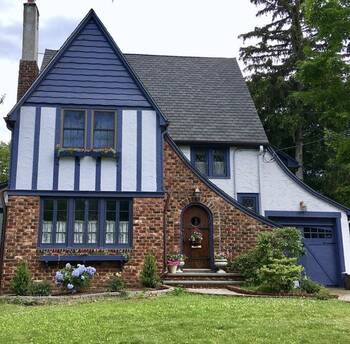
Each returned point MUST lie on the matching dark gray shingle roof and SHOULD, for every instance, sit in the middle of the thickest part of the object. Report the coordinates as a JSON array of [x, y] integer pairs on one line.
[[204, 98]]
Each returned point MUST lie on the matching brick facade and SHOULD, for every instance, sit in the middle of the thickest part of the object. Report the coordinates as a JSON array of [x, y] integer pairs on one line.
[[28, 72], [234, 231]]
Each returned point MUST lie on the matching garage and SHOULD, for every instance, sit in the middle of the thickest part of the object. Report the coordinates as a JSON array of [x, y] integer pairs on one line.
[[322, 259]]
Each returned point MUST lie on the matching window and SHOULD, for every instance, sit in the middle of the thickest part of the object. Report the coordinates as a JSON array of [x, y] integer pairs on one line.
[[212, 162], [117, 222], [85, 222], [249, 200], [73, 129], [104, 129], [317, 233], [54, 221], [86, 218]]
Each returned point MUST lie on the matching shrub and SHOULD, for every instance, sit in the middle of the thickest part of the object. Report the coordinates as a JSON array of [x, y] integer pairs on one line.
[[309, 286], [149, 275], [280, 274], [323, 294], [40, 289], [276, 244], [116, 283], [178, 291], [75, 278], [21, 282]]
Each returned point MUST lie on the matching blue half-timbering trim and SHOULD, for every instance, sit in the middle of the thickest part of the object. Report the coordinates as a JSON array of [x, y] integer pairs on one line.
[[305, 186], [89, 126], [36, 148], [14, 151], [119, 149], [56, 164], [98, 175], [96, 194], [293, 218], [139, 151], [216, 189], [76, 174]]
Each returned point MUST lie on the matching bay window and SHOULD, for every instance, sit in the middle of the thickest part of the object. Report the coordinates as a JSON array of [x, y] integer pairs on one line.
[[85, 223]]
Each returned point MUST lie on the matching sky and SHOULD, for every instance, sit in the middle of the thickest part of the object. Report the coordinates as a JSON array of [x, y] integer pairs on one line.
[[165, 27]]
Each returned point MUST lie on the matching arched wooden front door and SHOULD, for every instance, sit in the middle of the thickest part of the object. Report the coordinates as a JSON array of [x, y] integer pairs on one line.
[[196, 219]]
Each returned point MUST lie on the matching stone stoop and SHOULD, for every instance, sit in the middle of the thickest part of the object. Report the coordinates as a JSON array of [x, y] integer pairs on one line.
[[202, 278]]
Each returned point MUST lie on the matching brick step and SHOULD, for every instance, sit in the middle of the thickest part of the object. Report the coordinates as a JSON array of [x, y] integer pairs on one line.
[[203, 276], [201, 283], [197, 270]]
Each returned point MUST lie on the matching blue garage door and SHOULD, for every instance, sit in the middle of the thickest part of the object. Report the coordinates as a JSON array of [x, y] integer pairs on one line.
[[321, 259]]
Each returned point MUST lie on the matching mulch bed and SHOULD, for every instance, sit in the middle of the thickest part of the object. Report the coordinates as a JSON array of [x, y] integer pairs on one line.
[[262, 293]]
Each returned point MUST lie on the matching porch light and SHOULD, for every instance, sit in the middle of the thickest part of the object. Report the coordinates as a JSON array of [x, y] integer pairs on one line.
[[196, 195]]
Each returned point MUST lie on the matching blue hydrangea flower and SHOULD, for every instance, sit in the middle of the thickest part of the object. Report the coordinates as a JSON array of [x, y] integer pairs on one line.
[[70, 286], [91, 270], [59, 277], [76, 272]]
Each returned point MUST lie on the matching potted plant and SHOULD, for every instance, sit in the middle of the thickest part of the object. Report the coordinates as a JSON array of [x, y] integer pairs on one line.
[[173, 262], [220, 262], [196, 239], [182, 262]]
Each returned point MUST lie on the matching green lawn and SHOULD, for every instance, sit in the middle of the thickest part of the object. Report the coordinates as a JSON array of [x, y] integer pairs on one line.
[[179, 319]]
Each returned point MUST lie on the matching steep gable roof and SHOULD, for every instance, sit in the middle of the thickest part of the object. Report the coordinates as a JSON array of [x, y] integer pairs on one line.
[[204, 98], [89, 69]]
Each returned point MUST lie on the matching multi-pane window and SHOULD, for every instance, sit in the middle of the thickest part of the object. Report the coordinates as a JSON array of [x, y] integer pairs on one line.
[[85, 222], [212, 162], [104, 129], [86, 218], [54, 221], [201, 160], [74, 128], [249, 201], [117, 222], [317, 233]]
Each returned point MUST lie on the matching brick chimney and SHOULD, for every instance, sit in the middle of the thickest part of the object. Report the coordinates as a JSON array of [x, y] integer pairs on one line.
[[28, 66]]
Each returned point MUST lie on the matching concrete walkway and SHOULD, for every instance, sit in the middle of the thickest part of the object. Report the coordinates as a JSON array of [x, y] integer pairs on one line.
[[344, 295], [212, 291]]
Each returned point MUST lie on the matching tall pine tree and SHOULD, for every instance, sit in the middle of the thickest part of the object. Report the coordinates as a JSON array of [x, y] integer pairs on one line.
[[273, 62]]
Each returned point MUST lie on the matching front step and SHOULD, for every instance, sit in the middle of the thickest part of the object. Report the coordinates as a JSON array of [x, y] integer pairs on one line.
[[202, 278], [201, 283]]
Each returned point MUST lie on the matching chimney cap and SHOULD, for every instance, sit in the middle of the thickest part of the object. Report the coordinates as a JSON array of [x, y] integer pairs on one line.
[[31, 1]]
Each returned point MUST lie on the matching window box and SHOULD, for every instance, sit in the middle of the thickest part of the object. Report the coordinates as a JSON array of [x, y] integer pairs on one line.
[[81, 152], [84, 258]]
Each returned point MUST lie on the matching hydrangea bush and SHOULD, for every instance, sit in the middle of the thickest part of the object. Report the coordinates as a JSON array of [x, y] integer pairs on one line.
[[74, 278]]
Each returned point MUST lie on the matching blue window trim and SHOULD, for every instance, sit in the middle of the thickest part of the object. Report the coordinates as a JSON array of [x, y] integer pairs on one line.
[[210, 160], [100, 243], [255, 196]]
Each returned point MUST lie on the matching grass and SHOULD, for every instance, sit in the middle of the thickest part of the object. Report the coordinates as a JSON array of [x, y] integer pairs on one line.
[[179, 319]]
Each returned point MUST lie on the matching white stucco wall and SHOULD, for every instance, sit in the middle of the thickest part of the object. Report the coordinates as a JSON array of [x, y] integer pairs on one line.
[[46, 148], [25, 148], [108, 174], [87, 180]]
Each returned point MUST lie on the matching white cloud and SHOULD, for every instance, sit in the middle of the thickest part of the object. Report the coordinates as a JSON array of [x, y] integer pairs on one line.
[[173, 27]]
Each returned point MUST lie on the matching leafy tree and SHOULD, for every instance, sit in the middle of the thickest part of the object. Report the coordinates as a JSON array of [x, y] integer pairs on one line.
[[149, 275], [4, 161], [326, 74], [273, 62]]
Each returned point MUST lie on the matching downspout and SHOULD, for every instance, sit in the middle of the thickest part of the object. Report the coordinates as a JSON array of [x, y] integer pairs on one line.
[[2, 237], [260, 154], [166, 205]]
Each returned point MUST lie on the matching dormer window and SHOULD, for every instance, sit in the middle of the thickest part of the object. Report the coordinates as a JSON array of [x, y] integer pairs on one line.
[[212, 162], [74, 122], [104, 129]]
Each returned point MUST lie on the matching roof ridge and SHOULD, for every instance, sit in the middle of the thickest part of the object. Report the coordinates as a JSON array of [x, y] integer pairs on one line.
[[184, 56]]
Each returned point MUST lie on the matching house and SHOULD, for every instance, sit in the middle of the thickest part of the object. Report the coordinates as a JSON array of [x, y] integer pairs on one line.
[[115, 155]]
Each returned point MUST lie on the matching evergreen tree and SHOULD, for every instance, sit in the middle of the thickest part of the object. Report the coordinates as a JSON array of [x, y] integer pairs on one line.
[[273, 62]]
